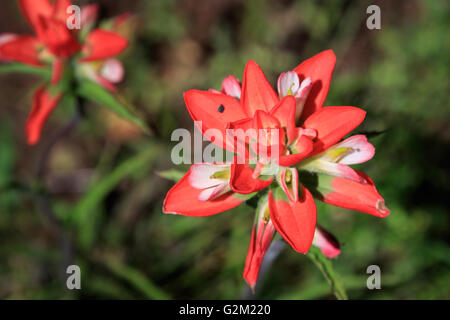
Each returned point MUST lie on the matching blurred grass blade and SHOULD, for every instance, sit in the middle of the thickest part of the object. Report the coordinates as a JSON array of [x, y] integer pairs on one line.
[[86, 212], [94, 92], [138, 280], [23, 68], [326, 268], [172, 174]]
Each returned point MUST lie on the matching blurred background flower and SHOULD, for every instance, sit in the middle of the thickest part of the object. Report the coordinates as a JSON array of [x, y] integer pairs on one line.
[[107, 199]]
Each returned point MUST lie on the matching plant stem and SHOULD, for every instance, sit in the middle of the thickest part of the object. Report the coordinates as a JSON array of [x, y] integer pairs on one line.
[[42, 200], [326, 267], [66, 130]]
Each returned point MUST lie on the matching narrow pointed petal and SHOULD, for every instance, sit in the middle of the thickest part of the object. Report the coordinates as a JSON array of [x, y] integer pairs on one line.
[[24, 49], [332, 124], [257, 93], [232, 87], [288, 181], [332, 169], [57, 37], [102, 44], [205, 175], [264, 120], [112, 70], [350, 194], [43, 104], [320, 69], [5, 38], [89, 14], [301, 149], [59, 11], [262, 235], [285, 113], [271, 137], [214, 110], [326, 242], [288, 83], [353, 150], [243, 182], [183, 199], [33, 9], [294, 221]]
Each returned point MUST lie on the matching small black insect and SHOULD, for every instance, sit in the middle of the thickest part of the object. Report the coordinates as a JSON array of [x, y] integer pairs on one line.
[[221, 108]]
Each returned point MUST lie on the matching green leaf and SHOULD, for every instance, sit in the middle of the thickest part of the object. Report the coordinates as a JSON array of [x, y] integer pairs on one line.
[[326, 267], [138, 280], [94, 92], [86, 212], [23, 68], [172, 174]]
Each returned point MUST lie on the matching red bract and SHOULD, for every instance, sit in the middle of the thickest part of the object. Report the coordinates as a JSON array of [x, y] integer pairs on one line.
[[56, 45], [311, 158]]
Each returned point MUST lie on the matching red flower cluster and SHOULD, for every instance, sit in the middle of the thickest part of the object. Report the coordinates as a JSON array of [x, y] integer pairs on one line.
[[309, 149], [87, 51]]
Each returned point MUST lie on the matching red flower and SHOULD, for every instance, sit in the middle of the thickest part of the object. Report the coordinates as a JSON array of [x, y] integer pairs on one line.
[[309, 147], [55, 44]]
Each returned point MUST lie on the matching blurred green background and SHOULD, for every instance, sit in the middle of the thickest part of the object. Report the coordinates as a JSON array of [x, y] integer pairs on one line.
[[103, 189]]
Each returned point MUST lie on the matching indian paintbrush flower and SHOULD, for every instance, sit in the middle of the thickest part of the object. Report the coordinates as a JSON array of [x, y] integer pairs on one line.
[[70, 53], [312, 161]]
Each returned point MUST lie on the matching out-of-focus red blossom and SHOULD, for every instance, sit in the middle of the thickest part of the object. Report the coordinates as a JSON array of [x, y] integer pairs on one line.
[[309, 141], [56, 45]]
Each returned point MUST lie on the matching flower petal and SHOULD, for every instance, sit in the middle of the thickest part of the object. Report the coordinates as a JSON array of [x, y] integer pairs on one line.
[[332, 124], [112, 70], [43, 104], [262, 235], [59, 11], [243, 182], [350, 194], [102, 44], [300, 150], [23, 49], [89, 14], [288, 83], [214, 110], [183, 199], [294, 221], [205, 175], [33, 9], [285, 113], [257, 93], [232, 87], [57, 37], [355, 150], [288, 181], [326, 242], [320, 69], [332, 169], [5, 38]]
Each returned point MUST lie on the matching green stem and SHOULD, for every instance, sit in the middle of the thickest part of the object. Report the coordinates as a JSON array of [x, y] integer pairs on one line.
[[326, 267]]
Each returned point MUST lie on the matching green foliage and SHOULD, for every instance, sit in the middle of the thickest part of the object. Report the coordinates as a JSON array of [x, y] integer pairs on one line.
[[23, 68], [90, 90]]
